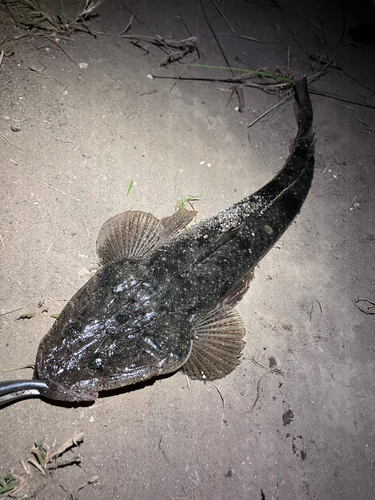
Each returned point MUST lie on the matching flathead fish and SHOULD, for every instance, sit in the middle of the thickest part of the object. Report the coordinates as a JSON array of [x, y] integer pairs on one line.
[[165, 297]]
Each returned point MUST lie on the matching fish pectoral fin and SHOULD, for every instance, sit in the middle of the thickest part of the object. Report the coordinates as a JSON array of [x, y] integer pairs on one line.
[[134, 233], [129, 234], [217, 344], [226, 236]]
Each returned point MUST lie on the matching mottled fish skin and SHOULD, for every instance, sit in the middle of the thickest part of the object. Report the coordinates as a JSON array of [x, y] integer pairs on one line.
[[143, 316]]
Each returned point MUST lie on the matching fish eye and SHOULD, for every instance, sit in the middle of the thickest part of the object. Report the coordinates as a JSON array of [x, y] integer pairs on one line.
[[96, 364]]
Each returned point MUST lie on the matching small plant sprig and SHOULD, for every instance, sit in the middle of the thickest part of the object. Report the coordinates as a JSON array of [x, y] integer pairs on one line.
[[190, 200], [8, 483]]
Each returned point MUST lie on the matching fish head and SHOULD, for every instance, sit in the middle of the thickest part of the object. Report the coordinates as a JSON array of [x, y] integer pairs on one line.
[[102, 342]]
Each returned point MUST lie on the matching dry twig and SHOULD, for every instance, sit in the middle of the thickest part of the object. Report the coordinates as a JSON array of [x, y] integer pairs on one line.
[[30, 14], [222, 403], [275, 370], [10, 142], [52, 187]]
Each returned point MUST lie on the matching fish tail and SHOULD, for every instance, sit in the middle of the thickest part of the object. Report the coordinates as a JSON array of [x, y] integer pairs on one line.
[[304, 142], [298, 171]]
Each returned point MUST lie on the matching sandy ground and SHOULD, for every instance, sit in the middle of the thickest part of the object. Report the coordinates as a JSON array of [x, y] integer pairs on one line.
[[304, 431]]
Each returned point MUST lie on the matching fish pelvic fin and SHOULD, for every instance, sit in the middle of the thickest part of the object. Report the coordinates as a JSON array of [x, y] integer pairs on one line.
[[217, 344], [135, 233], [237, 293]]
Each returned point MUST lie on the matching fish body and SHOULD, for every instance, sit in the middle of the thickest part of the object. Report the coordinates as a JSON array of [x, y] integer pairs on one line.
[[164, 298]]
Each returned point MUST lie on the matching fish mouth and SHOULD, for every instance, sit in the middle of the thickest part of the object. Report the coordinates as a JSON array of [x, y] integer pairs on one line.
[[58, 392]]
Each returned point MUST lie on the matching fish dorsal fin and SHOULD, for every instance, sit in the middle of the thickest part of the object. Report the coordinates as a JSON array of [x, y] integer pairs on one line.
[[226, 236], [217, 344], [173, 224], [134, 233]]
